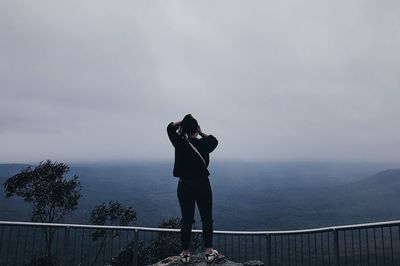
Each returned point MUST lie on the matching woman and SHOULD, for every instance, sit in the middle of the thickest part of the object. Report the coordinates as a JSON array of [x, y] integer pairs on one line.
[[191, 161]]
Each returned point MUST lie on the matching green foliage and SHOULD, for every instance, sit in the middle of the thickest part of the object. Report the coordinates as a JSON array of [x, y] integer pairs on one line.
[[166, 244], [50, 193], [169, 244], [44, 261], [112, 214], [52, 196]]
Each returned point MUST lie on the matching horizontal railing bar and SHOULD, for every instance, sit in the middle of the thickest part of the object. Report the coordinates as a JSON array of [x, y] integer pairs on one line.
[[153, 229]]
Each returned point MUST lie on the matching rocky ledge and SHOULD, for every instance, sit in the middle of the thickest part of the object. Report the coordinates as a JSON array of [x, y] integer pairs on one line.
[[198, 259]]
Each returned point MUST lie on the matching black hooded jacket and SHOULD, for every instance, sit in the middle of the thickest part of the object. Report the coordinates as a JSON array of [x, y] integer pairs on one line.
[[188, 164]]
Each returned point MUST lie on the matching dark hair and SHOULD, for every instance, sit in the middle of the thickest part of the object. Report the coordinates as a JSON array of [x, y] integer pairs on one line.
[[189, 125]]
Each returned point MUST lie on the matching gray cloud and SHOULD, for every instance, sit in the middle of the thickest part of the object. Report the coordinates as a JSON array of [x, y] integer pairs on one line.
[[280, 80]]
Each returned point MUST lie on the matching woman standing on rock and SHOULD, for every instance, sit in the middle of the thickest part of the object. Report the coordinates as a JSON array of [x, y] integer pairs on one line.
[[191, 161]]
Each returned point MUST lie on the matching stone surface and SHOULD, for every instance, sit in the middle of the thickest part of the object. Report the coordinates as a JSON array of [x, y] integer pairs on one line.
[[198, 259], [253, 263]]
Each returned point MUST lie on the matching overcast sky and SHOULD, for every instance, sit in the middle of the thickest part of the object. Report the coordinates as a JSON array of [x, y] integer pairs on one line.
[[272, 80]]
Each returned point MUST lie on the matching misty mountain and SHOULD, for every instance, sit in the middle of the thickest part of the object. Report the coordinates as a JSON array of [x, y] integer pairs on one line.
[[385, 178], [252, 196]]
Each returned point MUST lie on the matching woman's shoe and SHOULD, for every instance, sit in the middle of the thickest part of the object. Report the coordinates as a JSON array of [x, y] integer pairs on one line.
[[208, 258], [185, 258]]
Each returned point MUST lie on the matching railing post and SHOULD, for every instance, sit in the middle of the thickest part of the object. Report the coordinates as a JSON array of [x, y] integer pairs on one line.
[[135, 248], [269, 250], [336, 259], [65, 254]]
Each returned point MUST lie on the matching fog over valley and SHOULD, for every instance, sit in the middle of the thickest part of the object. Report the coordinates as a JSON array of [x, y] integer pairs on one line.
[[246, 196]]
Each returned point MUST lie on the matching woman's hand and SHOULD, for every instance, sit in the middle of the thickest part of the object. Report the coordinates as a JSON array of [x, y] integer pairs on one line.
[[202, 134]]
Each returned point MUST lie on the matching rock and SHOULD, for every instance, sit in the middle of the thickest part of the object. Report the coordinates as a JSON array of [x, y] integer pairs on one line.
[[198, 259], [253, 263]]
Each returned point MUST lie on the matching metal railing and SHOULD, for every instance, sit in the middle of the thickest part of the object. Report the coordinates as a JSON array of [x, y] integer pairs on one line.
[[24, 243]]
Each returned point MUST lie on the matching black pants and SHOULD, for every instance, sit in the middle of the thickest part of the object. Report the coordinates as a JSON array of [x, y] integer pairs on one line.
[[189, 192]]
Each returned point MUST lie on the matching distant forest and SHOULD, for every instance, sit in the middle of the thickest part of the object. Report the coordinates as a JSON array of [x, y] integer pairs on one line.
[[247, 196]]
